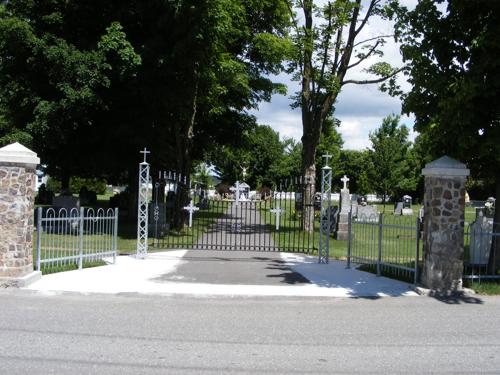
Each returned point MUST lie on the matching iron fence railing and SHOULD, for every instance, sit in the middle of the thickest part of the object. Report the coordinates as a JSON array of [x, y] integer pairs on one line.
[[73, 238], [386, 244]]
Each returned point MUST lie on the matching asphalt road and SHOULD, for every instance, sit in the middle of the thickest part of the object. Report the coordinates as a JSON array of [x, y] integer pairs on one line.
[[133, 334]]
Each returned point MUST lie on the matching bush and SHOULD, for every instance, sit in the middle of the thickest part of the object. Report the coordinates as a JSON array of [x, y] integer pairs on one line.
[[94, 184]]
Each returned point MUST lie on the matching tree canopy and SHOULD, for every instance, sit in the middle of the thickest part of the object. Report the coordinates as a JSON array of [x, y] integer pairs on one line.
[[88, 89], [391, 172], [451, 53]]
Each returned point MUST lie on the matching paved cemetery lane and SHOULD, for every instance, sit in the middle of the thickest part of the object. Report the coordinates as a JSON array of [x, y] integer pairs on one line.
[[240, 227], [234, 268], [133, 334]]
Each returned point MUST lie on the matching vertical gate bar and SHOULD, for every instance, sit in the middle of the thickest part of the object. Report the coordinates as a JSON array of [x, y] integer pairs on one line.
[[115, 235], [380, 229], [80, 234], [38, 237], [417, 250], [258, 228], [349, 239]]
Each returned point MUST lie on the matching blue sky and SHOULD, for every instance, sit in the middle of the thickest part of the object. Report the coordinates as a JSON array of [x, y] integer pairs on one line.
[[360, 108]]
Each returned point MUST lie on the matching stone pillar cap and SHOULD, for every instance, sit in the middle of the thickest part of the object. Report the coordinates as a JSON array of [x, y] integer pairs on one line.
[[445, 166], [16, 153]]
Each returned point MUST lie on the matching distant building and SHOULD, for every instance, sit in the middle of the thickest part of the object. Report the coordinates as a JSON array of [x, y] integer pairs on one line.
[[41, 178]]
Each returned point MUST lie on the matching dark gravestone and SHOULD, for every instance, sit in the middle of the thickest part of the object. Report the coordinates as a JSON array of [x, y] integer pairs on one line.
[[398, 208]]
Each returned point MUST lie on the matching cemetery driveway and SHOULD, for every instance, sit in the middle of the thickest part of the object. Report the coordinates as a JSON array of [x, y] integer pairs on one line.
[[224, 273], [240, 227]]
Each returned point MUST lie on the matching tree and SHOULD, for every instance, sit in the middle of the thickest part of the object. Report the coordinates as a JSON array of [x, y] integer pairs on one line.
[[391, 173], [451, 56], [330, 142], [260, 153], [322, 62], [91, 88], [356, 164], [52, 89]]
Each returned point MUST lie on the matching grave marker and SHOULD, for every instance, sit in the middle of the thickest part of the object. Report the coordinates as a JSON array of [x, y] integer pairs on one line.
[[191, 209]]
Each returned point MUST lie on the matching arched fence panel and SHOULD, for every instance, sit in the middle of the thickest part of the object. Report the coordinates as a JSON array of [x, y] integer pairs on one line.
[[75, 238]]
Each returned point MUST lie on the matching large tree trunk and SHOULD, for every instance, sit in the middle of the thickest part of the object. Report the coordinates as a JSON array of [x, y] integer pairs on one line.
[[309, 187], [494, 260], [184, 135]]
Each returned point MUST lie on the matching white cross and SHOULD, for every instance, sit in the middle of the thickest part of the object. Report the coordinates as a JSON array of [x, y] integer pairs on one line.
[[145, 152], [237, 189], [327, 158], [345, 179], [244, 172], [191, 209], [277, 211]]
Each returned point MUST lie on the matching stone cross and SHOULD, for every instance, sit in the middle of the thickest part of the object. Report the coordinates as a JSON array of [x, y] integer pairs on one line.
[[345, 179], [237, 189], [327, 158], [277, 211], [191, 209], [145, 152], [244, 172]]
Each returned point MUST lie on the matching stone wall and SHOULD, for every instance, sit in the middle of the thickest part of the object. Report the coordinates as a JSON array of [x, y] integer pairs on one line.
[[17, 191]]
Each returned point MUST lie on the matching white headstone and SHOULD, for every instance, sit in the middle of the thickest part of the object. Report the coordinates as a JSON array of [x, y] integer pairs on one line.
[[191, 208], [277, 211], [345, 180]]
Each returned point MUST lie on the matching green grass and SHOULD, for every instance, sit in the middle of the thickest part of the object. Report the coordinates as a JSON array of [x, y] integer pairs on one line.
[[489, 287], [202, 221]]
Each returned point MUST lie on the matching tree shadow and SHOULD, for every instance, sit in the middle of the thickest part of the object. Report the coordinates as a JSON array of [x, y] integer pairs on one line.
[[456, 298]]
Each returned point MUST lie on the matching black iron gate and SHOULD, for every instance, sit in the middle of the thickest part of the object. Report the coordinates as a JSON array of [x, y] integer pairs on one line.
[[233, 218]]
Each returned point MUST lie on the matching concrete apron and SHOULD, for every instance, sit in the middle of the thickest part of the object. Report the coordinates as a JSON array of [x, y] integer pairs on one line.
[[224, 273]]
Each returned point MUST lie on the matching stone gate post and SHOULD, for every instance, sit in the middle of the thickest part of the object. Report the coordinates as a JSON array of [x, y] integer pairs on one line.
[[17, 197], [444, 209]]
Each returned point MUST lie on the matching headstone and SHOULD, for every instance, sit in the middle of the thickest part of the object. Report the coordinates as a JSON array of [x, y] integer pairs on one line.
[[67, 202], [367, 214], [398, 209], [278, 212], [157, 218], [481, 236], [333, 212], [362, 201], [238, 189], [343, 216], [489, 206], [407, 202], [191, 209]]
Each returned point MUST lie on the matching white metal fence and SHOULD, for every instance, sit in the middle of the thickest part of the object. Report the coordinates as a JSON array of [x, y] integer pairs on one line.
[[387, 244], [73, 238]]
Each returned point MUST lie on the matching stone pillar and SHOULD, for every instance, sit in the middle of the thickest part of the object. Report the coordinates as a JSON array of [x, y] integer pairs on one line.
[[444, 209], [17, 197]]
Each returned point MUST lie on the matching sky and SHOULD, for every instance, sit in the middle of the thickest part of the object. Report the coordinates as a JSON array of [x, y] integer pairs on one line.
[[360, 108]]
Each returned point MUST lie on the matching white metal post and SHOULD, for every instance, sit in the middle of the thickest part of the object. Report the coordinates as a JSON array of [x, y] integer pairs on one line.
[[326, 209], [38, 238], [142, 207], [80, 234]]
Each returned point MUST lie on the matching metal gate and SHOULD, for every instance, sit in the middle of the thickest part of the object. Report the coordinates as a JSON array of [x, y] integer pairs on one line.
[[189, 216]]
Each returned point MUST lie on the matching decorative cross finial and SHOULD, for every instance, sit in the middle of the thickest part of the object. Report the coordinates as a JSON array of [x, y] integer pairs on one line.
[[145, 152], [345, 179], [327, 158]]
